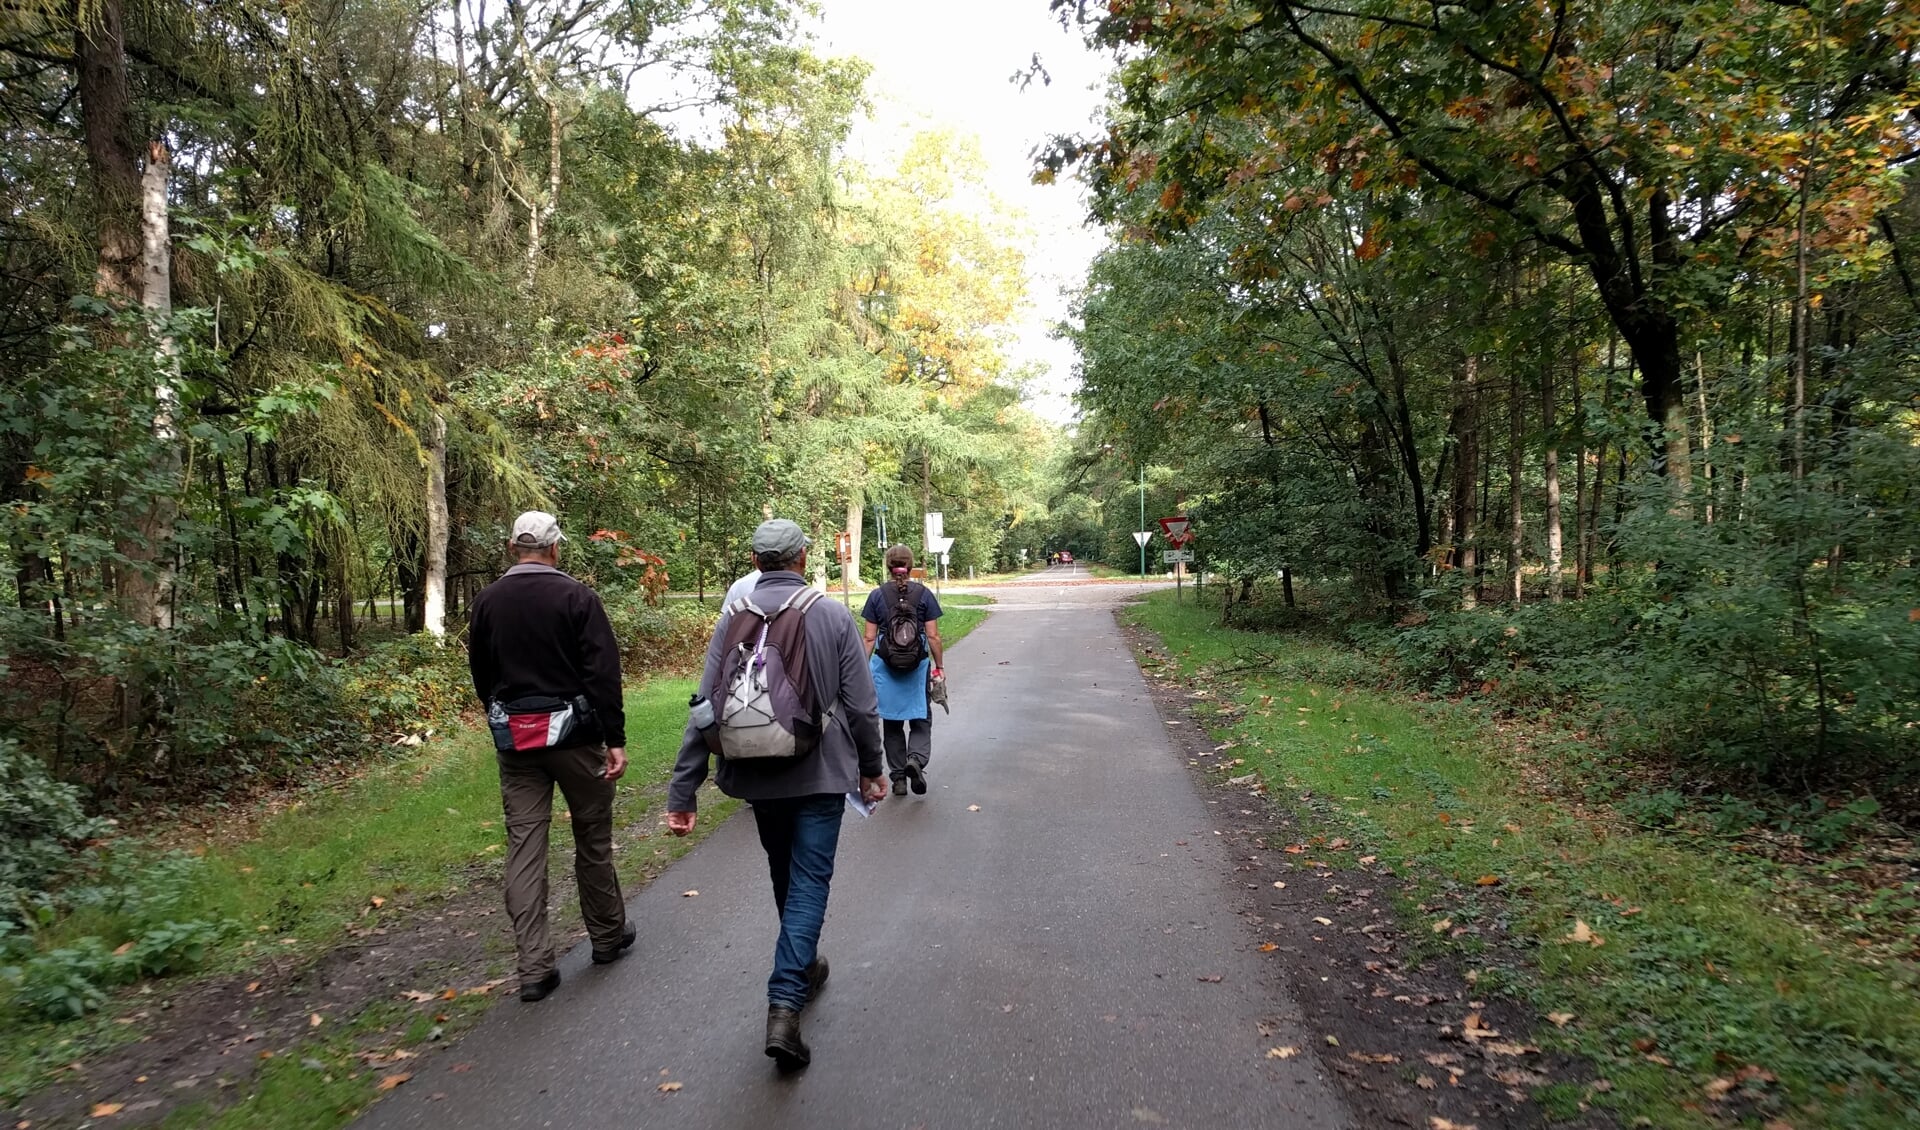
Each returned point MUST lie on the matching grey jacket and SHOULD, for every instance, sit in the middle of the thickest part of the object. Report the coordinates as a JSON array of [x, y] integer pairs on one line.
[[849, 749]]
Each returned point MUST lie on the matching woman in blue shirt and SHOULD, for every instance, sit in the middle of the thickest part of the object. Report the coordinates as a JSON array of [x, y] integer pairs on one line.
[[902, 661]]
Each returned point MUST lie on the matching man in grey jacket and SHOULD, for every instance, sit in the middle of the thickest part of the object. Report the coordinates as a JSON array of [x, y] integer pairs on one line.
[[797, 803]]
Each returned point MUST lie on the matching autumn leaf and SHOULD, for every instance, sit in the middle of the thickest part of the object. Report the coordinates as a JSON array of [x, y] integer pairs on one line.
[[667, 1088], [1560, 1019], [973, 808], [1441, 926], [689, 894], [1373, 1057], [1487, 881], [416, 996], [1268, 947], [1474, 1027], [377, 902], [1435, 1122], [314, 1020], [1209, 978], [106, 1110], [1718, 1088], [1424, 1082], [389, 1082], [1286, 1052], [1323, 921], [1583, 935], [253, 986]]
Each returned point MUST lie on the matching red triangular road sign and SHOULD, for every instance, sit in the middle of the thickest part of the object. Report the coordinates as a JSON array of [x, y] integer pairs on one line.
[[1177, 530]]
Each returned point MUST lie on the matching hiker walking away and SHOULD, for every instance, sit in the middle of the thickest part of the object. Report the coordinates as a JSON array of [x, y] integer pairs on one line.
[[785, 713], [547, 670], [903, 635]]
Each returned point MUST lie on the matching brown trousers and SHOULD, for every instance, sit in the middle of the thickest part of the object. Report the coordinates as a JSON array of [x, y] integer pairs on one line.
[[526, 792]]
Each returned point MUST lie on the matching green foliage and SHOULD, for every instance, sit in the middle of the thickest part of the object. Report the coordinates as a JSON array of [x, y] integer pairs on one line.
[[1705, 950], [41, 821]]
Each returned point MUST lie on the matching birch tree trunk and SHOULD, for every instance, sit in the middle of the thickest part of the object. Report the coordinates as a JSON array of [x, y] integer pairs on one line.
[[1550, 466], [150, 589], [1516, 508], [856, 518], [435, 587], [1466, 434]]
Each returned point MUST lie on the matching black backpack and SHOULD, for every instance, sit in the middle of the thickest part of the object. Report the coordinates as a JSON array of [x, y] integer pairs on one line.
[[901, 647]]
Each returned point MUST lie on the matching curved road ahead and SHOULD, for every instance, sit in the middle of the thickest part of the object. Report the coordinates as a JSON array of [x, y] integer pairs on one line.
[[1035, 963]]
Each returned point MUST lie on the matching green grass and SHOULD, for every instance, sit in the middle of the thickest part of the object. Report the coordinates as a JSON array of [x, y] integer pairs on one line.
[[964, 600], [1698, 965]]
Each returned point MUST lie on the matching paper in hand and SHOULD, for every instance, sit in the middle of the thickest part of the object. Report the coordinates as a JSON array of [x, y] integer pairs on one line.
[[858, 805]]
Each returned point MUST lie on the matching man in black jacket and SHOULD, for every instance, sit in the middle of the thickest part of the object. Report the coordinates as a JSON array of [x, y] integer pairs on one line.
[[537, 635]]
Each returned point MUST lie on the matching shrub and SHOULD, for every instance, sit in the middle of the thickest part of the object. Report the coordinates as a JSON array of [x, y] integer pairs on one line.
[[41, 821], [405, 685]]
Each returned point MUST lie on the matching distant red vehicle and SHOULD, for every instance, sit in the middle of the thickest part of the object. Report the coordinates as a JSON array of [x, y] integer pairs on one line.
[[1066, 558]]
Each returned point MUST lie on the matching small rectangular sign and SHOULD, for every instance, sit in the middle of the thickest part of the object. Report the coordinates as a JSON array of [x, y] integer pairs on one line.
[[1176, 556]]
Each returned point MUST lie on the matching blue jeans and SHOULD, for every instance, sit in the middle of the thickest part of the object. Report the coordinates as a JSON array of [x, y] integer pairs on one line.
[[801, 836]]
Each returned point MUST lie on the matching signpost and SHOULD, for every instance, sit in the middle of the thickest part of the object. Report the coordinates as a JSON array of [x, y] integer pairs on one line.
[[940, 547], [1178, 530]]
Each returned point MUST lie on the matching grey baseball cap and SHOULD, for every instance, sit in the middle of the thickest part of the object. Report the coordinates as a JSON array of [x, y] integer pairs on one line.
[[780, 536], [536, 529]]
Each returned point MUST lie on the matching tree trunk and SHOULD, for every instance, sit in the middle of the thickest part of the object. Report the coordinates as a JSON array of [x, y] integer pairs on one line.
[[1286, 586], [113, 156], [1516, 502], [434, 618], [856, 519], [149, 583], [1550, 467], [1464, 428]]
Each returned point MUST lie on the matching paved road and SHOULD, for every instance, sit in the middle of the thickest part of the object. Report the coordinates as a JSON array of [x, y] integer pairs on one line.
[[1036, 963]]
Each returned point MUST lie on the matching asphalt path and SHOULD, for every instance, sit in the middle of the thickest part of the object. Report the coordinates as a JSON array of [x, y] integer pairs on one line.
[[1047, 939]]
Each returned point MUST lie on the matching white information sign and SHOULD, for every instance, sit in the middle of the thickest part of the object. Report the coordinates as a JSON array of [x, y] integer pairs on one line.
[[1176, 557], [936, 525]]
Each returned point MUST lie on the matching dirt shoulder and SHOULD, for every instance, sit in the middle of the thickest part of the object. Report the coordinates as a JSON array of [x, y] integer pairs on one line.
[[1411, 1038]]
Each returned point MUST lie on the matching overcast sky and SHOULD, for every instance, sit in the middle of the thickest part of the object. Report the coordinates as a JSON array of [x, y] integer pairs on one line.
[[947, 63]]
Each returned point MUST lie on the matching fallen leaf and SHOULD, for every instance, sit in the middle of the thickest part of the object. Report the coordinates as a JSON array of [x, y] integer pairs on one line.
[[449, 994], [106, 1110], [1337, 845], [1424, 1082], [389, 1082], [1279, 886], [1718, 1088], [1499, 1048], [1487, 881], [1323, 921], [1475, 1028], [1440, 1059], [1333, 1041], [377, 902], [123, 948], [1583, 935], [1268, 947], [1287, 1052], [313, 1020], [1645, 1044], [1209, 978], [667, 1088], [1435, 1122], [416, 996], [1295, 849], [689, 894], [1367, 858], [253, 986], [1373, 1057], [1560, 1019], [1441, 926], [973, 808]]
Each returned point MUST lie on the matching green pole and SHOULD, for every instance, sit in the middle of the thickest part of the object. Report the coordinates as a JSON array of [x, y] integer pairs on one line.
[[1143, 519]]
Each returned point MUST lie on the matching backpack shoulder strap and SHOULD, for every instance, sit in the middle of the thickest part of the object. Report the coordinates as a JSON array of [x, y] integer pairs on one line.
[[745, 604]]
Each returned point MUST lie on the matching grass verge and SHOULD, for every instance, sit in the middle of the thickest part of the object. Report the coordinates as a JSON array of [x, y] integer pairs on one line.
[[1668, 961]]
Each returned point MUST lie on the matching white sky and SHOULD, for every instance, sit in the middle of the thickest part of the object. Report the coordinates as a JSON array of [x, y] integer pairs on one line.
[[946, 63]]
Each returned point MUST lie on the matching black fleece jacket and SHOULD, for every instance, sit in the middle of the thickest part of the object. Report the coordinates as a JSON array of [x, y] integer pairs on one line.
[[537, 631]]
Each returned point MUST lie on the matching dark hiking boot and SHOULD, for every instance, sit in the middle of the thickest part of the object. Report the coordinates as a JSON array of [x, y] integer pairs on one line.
[[539, 990], [917, 777], [608, 957], [784, 1044], [816, 977], [900, 784]]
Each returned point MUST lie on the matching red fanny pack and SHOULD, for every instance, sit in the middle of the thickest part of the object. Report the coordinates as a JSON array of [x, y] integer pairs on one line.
[[529, 725]]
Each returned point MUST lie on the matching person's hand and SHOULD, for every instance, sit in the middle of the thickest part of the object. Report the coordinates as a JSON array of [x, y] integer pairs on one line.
[[680, 823], [616, 762], [873, 790]]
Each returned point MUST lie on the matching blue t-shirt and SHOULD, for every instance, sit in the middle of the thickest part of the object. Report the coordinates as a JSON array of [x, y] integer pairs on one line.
[[902, 695]]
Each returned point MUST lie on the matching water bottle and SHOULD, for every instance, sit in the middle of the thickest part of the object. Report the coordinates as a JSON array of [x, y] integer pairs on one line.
[[700, 708]]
